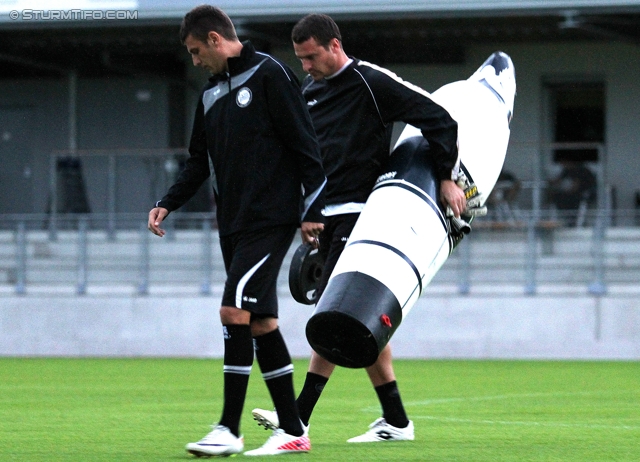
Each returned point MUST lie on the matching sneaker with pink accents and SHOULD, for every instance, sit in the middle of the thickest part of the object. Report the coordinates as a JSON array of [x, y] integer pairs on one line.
[[282, 443]]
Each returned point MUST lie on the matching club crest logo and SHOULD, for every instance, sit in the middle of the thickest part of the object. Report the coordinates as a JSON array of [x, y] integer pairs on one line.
[[243, 99]]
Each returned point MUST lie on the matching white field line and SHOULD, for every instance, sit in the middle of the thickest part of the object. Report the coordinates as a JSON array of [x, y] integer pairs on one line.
[[430, 402]]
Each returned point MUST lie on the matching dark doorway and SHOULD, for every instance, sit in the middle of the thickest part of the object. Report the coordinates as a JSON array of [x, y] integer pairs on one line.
[[579, 117], [578, 130]]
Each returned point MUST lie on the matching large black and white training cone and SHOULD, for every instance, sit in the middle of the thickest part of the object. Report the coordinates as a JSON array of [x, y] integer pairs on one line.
[[401, 239]]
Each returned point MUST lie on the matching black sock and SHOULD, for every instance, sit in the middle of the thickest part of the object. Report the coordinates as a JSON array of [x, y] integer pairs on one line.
[[238, 358], [392, 408], [277, 371], [310, 394]]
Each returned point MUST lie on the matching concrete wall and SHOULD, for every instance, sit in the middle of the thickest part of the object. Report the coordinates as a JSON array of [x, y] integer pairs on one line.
[[112, 113], [43, 129], [123, 114], [439, 326]]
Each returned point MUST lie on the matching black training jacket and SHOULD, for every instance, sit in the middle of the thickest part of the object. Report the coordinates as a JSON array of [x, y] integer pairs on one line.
[[253, 125], [353, 113]]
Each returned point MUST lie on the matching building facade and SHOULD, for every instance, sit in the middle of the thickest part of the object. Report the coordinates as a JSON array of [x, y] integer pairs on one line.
[[113, 87]]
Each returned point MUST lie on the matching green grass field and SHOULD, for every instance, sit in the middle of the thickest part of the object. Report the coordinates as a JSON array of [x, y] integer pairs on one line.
[[148, 409]]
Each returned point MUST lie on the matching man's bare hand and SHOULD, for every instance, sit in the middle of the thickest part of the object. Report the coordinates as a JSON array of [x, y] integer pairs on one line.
[[156, 215], [310, 232], [452, 195]]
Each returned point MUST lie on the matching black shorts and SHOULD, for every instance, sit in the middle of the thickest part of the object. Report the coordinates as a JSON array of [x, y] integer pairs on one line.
[[252, 261], [332, 241]]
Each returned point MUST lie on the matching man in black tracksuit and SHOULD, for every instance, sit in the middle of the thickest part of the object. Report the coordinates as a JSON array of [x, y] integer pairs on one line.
[[353, 105], [251, 122]]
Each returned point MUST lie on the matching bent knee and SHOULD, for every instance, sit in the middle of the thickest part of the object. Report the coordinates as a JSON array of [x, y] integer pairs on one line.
[[262, 326], [231, 315]]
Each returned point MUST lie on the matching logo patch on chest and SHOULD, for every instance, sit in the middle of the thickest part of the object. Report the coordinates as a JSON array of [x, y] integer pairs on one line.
[[244, 97]]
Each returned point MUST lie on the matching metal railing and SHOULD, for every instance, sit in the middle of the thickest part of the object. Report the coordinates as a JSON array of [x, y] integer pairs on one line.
[[537, 248], [167, 167], [530, 223], [125, 245]]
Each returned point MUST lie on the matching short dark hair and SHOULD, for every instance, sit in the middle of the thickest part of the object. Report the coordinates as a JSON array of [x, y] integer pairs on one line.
[[318, 26], [206, 18]]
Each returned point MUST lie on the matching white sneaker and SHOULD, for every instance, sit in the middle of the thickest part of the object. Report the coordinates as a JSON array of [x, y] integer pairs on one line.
[[219, 442], [269, 420], [380, 430], [282, 443]]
